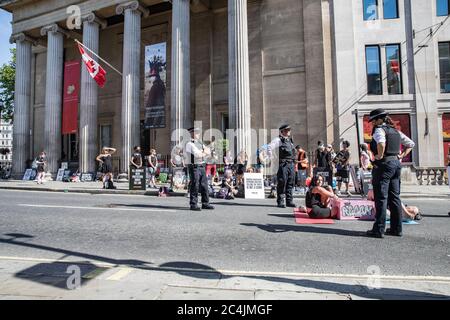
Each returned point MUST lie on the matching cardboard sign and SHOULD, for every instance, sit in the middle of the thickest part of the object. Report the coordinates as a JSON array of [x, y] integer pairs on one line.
[[87, 177], [354, 209], [254, 186], [138, 179], [27, 175], [60, 175]]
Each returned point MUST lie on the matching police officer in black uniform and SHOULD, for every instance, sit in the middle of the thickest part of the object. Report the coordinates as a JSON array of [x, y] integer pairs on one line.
[[197, 154], [286, 172], [386, 146]]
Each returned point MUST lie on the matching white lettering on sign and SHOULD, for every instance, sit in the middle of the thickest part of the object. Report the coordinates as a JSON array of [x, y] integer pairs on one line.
[[356, 210]]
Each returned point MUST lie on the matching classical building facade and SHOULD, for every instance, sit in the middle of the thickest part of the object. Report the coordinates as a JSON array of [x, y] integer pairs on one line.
[[235, 64]]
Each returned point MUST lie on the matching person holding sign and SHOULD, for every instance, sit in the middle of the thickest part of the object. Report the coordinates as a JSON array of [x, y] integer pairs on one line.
[[343, 168], [286, 172], [196, 156]]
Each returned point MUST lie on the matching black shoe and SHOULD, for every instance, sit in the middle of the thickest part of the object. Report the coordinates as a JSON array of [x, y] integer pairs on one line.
[[282, 206], [291, 205], [374, 234], [195, 208], [391, 232], [418, 217], [207, 207]]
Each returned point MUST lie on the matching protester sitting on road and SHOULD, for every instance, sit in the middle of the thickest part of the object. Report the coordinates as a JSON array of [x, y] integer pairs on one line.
[[105, 159], [229, 184], [318, 199]]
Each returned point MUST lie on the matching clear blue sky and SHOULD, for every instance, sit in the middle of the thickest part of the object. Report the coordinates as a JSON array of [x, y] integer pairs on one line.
[[5, 33]]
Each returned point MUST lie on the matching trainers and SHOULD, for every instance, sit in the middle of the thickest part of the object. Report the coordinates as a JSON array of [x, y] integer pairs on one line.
[[195, 208], [374, 234], [207, 207]]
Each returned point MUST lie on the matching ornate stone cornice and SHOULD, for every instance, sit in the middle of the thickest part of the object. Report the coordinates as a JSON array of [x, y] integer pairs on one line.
[[54, 28], [132, 5], [18, 37], [92, 18]]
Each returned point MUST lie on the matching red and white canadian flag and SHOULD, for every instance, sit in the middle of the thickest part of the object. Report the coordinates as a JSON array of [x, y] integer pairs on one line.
[[95, 70]]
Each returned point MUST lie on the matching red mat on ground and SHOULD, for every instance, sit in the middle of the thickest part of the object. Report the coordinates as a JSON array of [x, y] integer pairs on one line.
[[303, 218]]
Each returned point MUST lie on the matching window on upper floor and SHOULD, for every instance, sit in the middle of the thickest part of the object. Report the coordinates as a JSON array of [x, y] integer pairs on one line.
[[373, 65], [444, 66], [370, 9], [442, 7], [394, 69], [390, 9]]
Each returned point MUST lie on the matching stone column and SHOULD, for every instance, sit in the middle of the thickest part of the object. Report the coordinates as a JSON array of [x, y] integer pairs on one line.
[[181, 75], [89, 98], [131, 80], [53, 95], [22, 101], [239, 78]]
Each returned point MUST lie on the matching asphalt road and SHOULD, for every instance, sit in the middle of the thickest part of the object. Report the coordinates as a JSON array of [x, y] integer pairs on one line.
[[239, 235]]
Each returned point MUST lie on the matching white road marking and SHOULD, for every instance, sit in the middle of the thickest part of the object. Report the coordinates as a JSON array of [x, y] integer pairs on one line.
[[236, 273], [93, 208], [122, 273]]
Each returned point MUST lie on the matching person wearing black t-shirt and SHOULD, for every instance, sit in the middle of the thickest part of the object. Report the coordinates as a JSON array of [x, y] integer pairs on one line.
[[343, 169], [136, 158]]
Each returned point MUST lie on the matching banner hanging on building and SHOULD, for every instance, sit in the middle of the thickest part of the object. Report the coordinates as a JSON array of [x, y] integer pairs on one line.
[[71, 97], [402, 123], [155, 86]]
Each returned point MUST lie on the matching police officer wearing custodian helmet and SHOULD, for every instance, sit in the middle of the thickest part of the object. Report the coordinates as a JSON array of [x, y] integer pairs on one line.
[[286, 172], [386, 146], [197, 154]]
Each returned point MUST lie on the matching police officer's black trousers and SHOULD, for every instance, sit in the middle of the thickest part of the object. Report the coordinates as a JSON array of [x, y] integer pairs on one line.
[[199, 183], [286, 181], [386, 188]]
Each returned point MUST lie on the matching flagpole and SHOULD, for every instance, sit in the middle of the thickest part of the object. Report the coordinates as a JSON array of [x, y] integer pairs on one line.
[[109, 65]]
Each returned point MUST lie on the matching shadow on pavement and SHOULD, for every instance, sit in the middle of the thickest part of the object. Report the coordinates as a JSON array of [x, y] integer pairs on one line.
[[324, 286], [45, 273], [280, 228], [148, 206]]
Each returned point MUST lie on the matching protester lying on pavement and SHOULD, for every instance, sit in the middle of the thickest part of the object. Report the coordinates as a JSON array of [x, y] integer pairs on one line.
[[409, 212]]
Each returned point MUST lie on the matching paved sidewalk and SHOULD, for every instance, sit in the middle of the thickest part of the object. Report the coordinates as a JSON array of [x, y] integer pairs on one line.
[[50, 280], [408, 190]]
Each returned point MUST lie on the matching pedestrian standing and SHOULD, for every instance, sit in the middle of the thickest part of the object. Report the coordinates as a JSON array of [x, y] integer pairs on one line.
[[365, 159], [322, 163], [211, 161], [196, 154], [41, 163], [301, 169], [136, 158], [242, 163], [342, 160], [386, 146], [105, 159], [152, 166], [286, 173]]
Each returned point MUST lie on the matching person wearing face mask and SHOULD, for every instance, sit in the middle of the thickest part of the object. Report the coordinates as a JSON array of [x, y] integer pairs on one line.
[[286, 173], [386, 146]]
